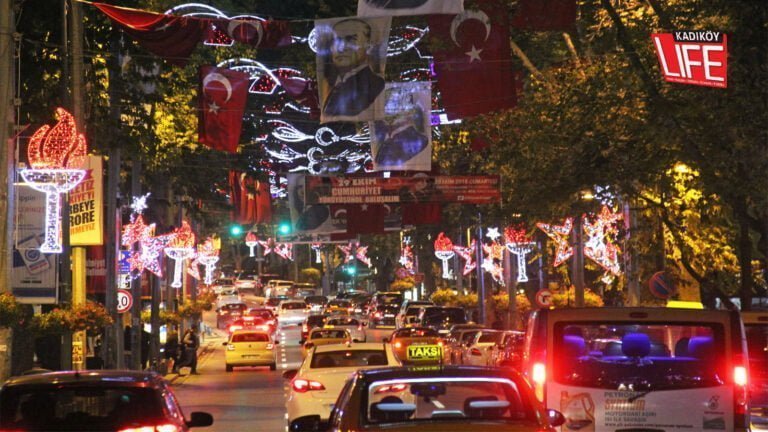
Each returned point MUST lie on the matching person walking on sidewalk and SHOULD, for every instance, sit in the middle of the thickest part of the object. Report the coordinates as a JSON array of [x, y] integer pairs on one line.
[[191, 343], [172, 354]]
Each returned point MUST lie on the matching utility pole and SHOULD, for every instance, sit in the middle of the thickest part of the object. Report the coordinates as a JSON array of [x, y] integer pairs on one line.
[[7, 79], [578, 262], [136, 283], [480, 277]]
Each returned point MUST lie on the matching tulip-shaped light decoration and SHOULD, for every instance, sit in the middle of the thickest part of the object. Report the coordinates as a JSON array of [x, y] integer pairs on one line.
[[251, 241], [519, 244], [444, 252], [316, 247], [181, 247], [208, 256], [56, 157]]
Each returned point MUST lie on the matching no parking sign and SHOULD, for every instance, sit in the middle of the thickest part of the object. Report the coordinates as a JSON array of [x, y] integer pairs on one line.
[[544, 298], [124, 301]]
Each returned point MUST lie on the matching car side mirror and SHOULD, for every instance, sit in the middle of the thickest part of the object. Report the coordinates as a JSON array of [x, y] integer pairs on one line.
[[556, 418], [200, 419], [290, 374], [311, 423], [385, 340]]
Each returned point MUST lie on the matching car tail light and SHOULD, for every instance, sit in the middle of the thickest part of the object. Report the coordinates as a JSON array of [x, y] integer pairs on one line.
[[539, 378], [740, 376], [350, 310], [741, 395], [398, 344], [394, 388], [270, 346], [303, 386], [271, 322], [440, 343], [360, 327], [304, 328], [377, 315], [157, 428], [475, 352], [248, 318], [308, 345]]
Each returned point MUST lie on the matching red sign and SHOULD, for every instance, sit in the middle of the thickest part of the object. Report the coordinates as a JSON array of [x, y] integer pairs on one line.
[[544, 298], [693, 57], [124, 301], [419, 189]]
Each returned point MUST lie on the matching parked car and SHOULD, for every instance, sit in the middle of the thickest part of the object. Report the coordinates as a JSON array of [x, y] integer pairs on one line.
[[103, 400]]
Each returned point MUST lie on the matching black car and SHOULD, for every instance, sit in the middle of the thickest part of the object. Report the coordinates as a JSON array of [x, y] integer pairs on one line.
[[93, 401], [228, 313], [311, 322], [384, 316], [442, 318]]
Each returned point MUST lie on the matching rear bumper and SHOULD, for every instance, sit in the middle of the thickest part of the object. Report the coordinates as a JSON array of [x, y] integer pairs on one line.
[[288, 320], [239, 360]]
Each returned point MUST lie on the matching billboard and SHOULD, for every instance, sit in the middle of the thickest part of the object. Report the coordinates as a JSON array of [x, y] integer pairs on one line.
[[33, 274], [86, 207]]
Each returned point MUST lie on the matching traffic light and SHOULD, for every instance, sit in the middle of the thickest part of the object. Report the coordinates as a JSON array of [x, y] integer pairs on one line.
[[284, 228], [351, 270], [235, 230]]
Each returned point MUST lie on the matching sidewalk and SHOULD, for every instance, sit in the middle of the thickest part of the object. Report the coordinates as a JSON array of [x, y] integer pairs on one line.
[[207, 346]]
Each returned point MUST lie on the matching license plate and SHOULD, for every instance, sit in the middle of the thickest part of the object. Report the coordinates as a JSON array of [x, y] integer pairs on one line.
[[424, 352], [251, 356]]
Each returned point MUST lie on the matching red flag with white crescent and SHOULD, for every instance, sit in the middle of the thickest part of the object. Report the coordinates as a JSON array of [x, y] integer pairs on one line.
[[222, 99]]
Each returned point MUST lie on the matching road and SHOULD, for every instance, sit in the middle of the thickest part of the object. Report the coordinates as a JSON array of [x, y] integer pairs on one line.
[[249, 398]]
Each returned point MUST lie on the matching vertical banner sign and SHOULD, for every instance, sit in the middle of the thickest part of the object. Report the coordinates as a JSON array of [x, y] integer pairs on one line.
[[693, 57], [86, 212], [34, 278]]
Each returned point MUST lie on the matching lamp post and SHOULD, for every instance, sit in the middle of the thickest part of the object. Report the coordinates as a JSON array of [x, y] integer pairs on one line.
[[585, 197]]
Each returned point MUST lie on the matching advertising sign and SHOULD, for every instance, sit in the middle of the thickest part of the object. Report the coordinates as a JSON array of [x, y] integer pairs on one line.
[[34, 277], [417, 189], [86, 215], [693, 57]]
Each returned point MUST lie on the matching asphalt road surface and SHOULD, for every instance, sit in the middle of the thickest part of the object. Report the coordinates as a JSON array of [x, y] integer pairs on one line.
[[248, 399]]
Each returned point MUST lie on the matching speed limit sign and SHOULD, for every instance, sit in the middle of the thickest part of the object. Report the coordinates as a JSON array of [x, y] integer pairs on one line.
[[544, 298], [124, 301]]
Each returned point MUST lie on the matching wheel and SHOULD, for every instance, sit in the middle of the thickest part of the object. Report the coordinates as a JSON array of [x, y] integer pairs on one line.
[[230, 368], [273, 366]]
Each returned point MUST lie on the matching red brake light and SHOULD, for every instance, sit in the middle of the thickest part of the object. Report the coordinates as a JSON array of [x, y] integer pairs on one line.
[[309, 345], [303, 386], [391, 388], [475, 352], [740, 376], [539, 373], [377, 315], [157, 428]]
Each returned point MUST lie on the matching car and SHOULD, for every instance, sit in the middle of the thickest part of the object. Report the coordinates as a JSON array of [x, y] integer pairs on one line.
[[222, 284], [316, 303], [247, 282], [459, 335], [756, 329], [442, 318], [251, 323], [410, 308], [317, 383], [420, 345], [273, 302], [383, 316], [509, 352], [675, 369], [250, 348], [323, 336], [228, 313], [92, 400], [435, 398], [304, 289], [228, 291], [291, 312], [312, 321], [278, 288], [478, 350], [337, 306], [346, 295], [353, 325], [224, 300]]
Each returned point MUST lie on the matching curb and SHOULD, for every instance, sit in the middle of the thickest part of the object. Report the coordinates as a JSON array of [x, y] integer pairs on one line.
[[204, 351]]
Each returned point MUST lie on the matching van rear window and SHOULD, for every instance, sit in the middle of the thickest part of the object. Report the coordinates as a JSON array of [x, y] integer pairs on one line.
[[757, 345], [635, 357]]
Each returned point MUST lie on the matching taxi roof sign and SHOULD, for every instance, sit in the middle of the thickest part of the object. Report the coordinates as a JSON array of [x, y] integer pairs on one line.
[[677, 304]]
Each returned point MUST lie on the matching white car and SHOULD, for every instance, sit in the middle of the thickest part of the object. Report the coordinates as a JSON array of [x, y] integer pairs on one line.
[[277, 288], [222, 285], [355, 327], [291, 312], [246, 282], [316, 385], [227, 299], [478, 351]]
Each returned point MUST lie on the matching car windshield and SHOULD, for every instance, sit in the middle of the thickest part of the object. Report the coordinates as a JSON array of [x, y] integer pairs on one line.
[[445, 316], [757, 344], [348, 358], [343, 322], [250, 337], [315, 300], [81, 408], [446, 399], [228, 292], [293, 306], [328, 334], [416, 332], [642, 357]]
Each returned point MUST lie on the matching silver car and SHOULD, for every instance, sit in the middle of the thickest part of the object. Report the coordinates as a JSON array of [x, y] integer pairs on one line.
[[355, 327]]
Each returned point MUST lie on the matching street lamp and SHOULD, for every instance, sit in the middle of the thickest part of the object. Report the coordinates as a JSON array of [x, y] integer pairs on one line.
[[585, 197]]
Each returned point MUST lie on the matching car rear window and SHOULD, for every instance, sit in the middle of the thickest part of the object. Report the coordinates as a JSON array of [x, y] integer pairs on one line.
[[315, 300], [447, 316], [293, 306], [250, 337], [757, 345], [660, 356], [343, 322], [315, 319], [263, 313], [487, 337], [230, 307], [328, 334], [81, 408], [339, 303], [348, 358], [416, 332]]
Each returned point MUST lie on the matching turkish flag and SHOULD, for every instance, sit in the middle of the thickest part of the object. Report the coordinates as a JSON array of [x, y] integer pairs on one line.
[[366, 218], [263, 203], [473, 63], [422, 214], [222, 98], [257, 33], [304, 91], [235, 194], [170, 37], [544, 15]]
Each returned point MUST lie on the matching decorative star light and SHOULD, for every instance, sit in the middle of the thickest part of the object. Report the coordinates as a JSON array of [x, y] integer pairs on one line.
[[493, 254], [251, 241], [194, 269], [268, 245], [406, 259], [139, 203], [151, 251], [600, 245], [56, 156], [559, 234], [355, 251], [180, 247], [134, 231], [493, 234], [444, 252], [208, 256], [468, 255], [284, 251], [519, 244]]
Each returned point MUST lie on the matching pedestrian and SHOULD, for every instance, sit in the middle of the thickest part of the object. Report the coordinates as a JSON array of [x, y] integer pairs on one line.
[[172, 352], [191, 343]]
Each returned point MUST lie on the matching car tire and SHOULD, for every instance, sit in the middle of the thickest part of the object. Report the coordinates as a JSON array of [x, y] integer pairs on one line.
[[230, 368], [273, 366]]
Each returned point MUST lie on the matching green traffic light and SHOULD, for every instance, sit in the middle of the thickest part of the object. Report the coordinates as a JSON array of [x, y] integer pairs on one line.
[[284, 228], [350, 270], [235, 230]]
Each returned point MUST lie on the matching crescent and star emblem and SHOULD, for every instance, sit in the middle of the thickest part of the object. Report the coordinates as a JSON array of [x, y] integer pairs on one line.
[[217, 77], [234, 24], [467, 15]]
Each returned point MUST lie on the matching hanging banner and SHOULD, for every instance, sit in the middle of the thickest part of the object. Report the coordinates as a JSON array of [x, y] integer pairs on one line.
[[351, 57], [417, 189], [308, 218], [408, 7], [86, 207], [34, 277], [402, 141], [693, 57]]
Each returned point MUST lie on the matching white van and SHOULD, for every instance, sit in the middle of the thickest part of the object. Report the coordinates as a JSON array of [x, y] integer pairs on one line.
[[640, 369], [278, 288], [756, 328]]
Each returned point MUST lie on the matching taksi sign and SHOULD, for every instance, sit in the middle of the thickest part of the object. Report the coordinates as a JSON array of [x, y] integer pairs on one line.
[[693, 57]]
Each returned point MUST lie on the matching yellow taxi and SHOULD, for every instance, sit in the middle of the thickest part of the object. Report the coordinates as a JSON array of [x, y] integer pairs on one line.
[[250, 348], [324, 336], [420, 345]]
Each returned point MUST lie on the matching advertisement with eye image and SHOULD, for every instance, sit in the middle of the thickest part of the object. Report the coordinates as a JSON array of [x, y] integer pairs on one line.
[[34, 277]]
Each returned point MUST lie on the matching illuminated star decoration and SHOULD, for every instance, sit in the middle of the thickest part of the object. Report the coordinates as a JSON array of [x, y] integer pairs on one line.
[[559, 234], [251, 241], [180, 247], [208, 256], [139, 203], [518, 243], [468, 255], [493, 234], [600, 245], [268, 245], [493, 254], [406, 259], [56, 156], [444, 252], [284, 251], [354, 250], [150, 248]]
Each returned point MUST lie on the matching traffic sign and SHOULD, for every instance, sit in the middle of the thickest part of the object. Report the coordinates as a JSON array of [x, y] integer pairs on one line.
[[544, 298], [124, 301]]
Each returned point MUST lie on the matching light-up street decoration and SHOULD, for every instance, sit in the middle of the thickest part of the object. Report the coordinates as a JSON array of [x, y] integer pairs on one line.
[[317, 247], [406, 259], [180, 247], [208, 256], [268, 245], [559, 234], [600, 245], [284, 251], [518, 243], [493, 254], [355, 251], [56, 158], [444, 252], [467, 253], [251, 241], [493, 234]]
